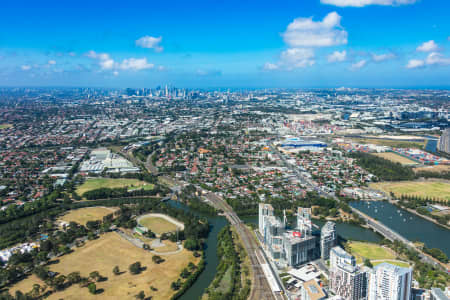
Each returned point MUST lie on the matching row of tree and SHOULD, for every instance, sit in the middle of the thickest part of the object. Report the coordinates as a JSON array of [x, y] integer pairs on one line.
[[383, 168]]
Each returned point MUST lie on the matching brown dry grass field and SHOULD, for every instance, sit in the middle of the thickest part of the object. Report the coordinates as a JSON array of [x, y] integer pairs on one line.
[[437, 168], [394, 157], [83, 215], [391, 143], [102, 255]]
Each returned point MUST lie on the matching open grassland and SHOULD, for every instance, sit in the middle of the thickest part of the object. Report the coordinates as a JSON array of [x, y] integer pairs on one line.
[[396, 158], [157, 225], [391, 143], [5, 126], [423, 189], [102, 255], [97, 183], [436, 168], [83, 215], [370, 251]]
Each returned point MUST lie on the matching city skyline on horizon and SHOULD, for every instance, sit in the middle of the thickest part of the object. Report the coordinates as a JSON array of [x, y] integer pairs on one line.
[[319, 44]]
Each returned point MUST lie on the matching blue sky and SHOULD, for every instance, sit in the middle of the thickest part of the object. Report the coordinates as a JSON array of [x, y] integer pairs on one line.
[[226, 43]]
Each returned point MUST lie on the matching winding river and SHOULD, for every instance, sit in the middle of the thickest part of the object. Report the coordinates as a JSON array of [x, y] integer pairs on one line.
[[206, 277]]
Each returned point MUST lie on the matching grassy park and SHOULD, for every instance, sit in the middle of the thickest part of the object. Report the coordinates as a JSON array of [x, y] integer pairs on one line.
[[96, 183], [157, 225], [396, 158], [103, 255], [423, 189], [5, 126], [84, 215], [370, 251]]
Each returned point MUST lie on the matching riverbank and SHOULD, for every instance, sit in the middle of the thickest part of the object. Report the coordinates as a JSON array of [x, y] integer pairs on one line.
[[407, 224], [413, 211]]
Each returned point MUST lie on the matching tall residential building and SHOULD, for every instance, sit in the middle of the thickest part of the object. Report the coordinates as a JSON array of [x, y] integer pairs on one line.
[[328, 239], [389, 282], [304, 224], [444, 141], [264, 210], [299, 249], [346, 278], [287, 247], [438, 294]]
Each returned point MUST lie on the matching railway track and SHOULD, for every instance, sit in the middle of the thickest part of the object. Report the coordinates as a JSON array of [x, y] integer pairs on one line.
[[260, 287]]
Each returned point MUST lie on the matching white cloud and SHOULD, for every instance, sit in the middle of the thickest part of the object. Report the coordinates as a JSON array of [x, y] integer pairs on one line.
[[304, 32], [161, 68], [435, 58], [294, 58], [115, 73], [361, 3], [358, 65], [428, 47], [52, 62], [104, 60], [136, 64], [95, 55], [107, 63], [337, 56], [150, 42], [382, 57], [270, 66], [25, 67], [415, 63]]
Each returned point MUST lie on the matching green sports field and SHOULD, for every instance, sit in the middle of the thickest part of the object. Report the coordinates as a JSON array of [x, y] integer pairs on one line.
[[96, 183]]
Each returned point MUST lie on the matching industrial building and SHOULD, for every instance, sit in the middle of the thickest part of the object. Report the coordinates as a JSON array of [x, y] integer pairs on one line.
[[299, 145], [103, 159]]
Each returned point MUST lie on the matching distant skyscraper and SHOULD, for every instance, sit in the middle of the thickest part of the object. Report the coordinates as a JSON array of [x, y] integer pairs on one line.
[[328, 239], [346, 278], [389, 282], [444, 141]]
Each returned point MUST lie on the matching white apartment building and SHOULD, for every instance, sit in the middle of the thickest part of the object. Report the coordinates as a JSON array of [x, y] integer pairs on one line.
[[389, 282]]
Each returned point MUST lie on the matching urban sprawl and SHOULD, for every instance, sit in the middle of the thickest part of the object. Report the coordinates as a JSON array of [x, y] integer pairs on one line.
[[290, 175]]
